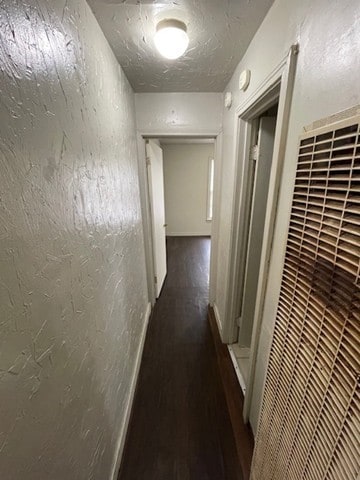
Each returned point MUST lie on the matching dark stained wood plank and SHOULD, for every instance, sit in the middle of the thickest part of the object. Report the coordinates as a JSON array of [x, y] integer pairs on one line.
[[235, 400], [180, 427]]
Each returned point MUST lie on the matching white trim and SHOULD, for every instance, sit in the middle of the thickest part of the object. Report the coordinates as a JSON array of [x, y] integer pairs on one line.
[[144, 197], [217, 317], [186, 141], [239, 231], [199, 134], [277, 85], [125, 423], [240, 219], [237, 369], [188, 234], [215, 219], [146, 218], [286, 89], [210, 188], [271, 79], [242, 203]]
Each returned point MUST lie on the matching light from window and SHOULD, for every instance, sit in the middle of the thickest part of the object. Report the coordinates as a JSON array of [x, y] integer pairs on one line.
[[210, 198]]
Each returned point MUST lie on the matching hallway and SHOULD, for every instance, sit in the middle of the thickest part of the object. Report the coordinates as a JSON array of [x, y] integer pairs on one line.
[[83, 353], [180, 427]]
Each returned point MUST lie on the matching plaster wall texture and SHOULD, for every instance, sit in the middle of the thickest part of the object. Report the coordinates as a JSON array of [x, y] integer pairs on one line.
[[179, 113], [72, 270], [327, 81], [186, 188], [129, 26]]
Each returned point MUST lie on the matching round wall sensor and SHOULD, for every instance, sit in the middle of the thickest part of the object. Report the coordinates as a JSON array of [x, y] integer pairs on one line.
[[228, 100], [244, 79]]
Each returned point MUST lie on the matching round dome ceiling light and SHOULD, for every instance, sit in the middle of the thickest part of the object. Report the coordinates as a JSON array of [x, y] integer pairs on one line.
[[171, 38]]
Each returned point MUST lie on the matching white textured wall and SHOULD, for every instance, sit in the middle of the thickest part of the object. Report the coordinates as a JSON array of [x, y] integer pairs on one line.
[[179, 113], [186, 188], [327, 81], [72, 280]]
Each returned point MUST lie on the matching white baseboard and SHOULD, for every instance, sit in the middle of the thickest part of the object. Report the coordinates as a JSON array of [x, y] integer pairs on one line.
[[125, 423], [238, 372], [217, 318], [219, 322], [188, 234]]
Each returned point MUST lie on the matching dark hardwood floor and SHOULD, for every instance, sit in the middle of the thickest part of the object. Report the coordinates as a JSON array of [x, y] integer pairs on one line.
[[180, 427]]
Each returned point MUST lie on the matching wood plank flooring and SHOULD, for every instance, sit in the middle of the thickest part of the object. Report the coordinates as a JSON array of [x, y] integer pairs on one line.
[[180, 427], [235, 401]]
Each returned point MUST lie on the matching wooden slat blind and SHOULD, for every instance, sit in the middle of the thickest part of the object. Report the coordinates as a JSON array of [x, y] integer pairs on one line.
[[309, 426]]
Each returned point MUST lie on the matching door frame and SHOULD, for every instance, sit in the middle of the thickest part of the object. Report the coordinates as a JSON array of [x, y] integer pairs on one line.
[[278, 86], [146, 209], [254, 193], [150, 149]]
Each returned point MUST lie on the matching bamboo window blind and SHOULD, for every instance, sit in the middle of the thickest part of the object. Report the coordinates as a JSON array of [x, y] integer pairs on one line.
[[309, 420]]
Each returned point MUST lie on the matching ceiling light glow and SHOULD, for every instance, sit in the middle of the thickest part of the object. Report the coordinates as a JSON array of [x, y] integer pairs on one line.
[[171, 38]]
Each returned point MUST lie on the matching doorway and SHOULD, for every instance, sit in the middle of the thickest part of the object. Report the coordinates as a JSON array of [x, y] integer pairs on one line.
[[275, 92], [180, 194], [255, 199]]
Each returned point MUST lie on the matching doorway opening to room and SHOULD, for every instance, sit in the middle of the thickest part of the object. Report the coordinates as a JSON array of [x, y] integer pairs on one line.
[[255, 197], [180, 180], [262, 129]]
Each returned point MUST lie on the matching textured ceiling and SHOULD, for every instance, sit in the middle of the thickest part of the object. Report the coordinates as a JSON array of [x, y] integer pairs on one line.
[[219, 31]]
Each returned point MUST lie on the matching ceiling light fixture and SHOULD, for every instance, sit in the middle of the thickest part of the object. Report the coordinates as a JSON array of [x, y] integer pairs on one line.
[[171, 38]]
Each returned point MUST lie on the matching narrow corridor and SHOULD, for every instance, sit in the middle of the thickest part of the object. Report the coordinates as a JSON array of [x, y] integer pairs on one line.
[[180, 427]]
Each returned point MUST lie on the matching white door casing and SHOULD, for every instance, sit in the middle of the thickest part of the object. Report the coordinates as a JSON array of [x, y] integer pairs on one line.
[[154, 162], [256, 230], [278, 85]]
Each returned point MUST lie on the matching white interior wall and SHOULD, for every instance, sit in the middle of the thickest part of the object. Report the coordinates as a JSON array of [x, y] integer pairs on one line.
[[174, 114], [183, 115], [327, 80], [186, 188], [69, 317], [73, 299]]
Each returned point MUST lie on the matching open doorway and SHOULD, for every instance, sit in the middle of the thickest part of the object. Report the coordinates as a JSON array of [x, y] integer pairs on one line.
[[272, 98], [255, 200], [180, 185]]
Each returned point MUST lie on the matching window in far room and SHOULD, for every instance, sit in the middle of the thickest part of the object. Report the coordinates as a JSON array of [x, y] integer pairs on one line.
[[210, 199]]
